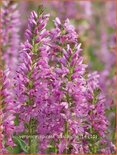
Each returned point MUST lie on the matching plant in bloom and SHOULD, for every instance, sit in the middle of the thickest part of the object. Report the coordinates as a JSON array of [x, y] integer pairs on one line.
[[10, 37], [10, 47], [56, 106]]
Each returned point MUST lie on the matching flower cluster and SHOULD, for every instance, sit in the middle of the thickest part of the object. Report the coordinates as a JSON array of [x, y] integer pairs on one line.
[[53, 96], [100, 51], [10, 47], [10, 29]]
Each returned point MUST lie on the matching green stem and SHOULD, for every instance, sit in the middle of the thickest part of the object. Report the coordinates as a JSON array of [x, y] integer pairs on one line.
[[29, 132], [32, 139], [68, 98]]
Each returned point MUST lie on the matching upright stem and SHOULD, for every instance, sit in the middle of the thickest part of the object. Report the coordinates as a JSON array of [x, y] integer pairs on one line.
[[32, 140], [30, 151], [68, 100]]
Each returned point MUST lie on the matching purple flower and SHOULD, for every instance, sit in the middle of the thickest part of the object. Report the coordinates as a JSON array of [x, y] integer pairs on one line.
[[10, 37], [8, 111], [52, 95], [10, 47]]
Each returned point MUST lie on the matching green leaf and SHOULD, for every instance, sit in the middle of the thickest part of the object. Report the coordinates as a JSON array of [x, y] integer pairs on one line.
[[51, 149], [16, 121], [16, 149], [33, 147], [21, 143], [40, 10]]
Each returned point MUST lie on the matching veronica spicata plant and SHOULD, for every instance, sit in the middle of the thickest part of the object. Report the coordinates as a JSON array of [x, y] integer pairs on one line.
[[10, 48], [59, 106], [10, 37]]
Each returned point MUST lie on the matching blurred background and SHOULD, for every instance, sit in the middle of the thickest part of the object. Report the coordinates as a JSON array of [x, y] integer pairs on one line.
[[95, 22]]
